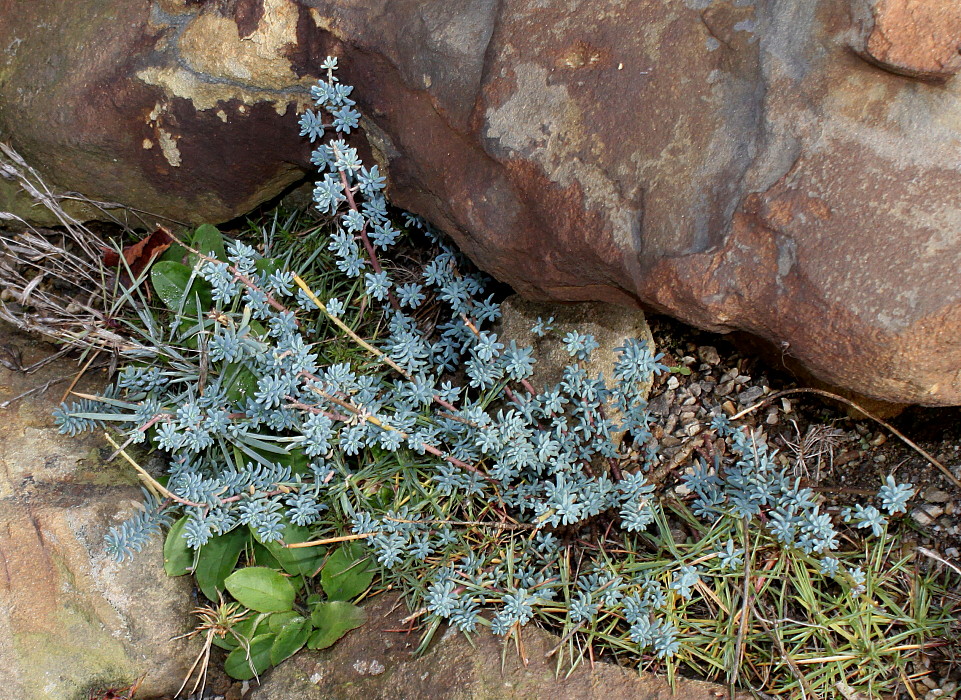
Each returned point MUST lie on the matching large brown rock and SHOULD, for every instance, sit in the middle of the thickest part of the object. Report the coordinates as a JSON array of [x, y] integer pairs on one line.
[[783, 168], [180, 108]]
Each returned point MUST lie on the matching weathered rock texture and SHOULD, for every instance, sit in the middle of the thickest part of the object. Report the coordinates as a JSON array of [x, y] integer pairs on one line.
[[71, 619], [375, 663], [918, 38], [784, 168]]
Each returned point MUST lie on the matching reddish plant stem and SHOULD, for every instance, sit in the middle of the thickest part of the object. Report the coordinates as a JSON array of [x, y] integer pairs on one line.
[[240, 277], [149, 424], [444, 404], [376, 421], [313, 409], [368, 246]]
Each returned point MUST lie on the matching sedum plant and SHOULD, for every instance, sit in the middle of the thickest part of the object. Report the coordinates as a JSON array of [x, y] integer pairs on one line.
[[322, 389]]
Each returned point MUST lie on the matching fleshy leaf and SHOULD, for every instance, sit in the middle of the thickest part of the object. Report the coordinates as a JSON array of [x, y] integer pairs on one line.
[[217, 559], [300, 561], [209, 241], [170, 280], [178, 557], [290, 639]]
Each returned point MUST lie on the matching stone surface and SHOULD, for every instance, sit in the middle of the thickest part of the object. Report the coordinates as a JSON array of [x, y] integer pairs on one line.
[[71, 619], [609, 324], [179, 108], [733, 163], [375, 663], [917, 38]]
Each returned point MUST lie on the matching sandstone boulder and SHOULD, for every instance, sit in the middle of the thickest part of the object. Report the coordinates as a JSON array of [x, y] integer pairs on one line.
[[783, 168], [71, 619]]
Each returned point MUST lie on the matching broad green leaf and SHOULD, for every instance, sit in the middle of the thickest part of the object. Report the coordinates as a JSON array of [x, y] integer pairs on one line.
[[297, 460], [228, 642], [333, 620], [209, 241], [217, 559], [347, 573], [263, 557], [267, 266], [278, 620], [170, 280], [175, 253], [291, 638], [301, 561], [178, 557], [260, 588], [243, 667]]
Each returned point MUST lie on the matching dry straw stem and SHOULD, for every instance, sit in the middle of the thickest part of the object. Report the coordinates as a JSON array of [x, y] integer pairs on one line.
[[35, 263], [330, 540], [152, 483], [347, 330]]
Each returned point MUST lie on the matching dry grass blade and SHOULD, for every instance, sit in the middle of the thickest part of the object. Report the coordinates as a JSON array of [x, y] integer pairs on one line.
[[54, 281], [847, 402], [818, 442]]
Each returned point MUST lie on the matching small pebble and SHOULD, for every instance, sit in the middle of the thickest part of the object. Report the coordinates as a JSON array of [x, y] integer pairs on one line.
[[879, 440], [729, 408], [845, 457], [926, 514], [673, 382], [750, 395], [936, 495], [708, 354], [724, 389]]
